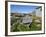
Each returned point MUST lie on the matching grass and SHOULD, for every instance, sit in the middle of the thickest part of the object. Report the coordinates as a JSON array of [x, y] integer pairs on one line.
[[17, 27], [34, 27]]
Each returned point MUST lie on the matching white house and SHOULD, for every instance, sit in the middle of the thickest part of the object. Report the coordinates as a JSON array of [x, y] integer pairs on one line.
[[37, 12]]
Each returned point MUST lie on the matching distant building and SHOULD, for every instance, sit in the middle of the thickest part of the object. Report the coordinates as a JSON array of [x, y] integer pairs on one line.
[[37, 12]]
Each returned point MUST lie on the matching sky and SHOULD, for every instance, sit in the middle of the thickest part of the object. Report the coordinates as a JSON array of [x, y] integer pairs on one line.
[[22, 8]]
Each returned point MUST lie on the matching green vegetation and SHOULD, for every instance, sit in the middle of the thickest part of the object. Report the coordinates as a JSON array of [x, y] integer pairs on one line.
[[35, 26]]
